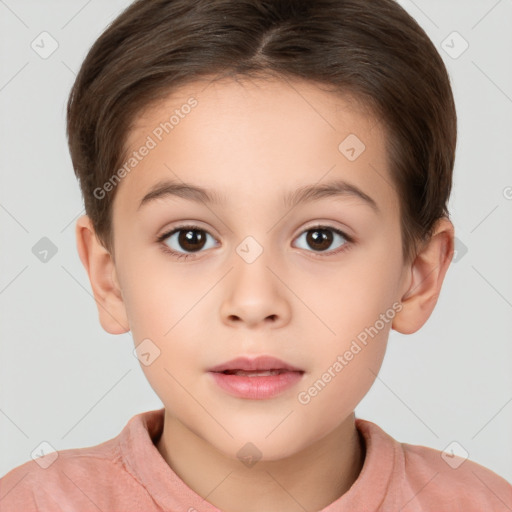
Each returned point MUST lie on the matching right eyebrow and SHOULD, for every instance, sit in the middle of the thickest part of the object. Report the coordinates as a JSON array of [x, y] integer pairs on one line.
[[184, 190]]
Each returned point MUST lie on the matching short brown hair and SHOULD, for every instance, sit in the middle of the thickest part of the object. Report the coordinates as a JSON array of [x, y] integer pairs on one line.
[[372, 50]]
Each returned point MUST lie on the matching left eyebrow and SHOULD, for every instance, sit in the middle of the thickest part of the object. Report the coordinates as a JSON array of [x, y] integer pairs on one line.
[[336, 188]]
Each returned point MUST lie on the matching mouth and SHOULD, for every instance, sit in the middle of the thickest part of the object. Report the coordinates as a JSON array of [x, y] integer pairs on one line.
[[254, 373], [258, 364], [257, 379]]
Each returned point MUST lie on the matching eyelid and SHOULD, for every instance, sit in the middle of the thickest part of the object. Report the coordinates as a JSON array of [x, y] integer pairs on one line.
[[192, 225], [326, 224]]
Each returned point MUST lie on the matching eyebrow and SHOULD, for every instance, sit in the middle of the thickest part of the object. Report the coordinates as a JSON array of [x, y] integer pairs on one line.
[[335, 188]]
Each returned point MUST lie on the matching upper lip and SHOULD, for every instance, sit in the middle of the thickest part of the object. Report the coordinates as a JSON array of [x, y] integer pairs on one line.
[[253, 364]]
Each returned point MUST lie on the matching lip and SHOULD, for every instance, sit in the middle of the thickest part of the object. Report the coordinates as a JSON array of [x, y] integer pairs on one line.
[[258, 387], [253, 364]]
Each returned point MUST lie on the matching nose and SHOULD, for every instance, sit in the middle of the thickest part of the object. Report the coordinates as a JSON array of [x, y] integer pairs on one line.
[[254, 296]]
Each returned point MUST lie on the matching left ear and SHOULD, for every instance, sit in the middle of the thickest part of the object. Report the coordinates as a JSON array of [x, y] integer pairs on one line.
[[427, 273]]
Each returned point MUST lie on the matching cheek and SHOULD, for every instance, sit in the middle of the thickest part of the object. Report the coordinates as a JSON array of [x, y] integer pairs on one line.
[[342, 377], [157, 294], [360, 305], [164, 304], [356, 296]]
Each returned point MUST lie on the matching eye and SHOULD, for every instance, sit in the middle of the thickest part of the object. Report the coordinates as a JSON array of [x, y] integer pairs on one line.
[[320, 239], [190, 239], [184, 241]]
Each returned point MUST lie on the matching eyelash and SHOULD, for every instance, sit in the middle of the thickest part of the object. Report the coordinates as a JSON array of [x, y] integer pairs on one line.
[[191, 227]]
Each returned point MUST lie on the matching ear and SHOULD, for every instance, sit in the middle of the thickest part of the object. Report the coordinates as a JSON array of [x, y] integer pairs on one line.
[[425, 278], [102, 274]]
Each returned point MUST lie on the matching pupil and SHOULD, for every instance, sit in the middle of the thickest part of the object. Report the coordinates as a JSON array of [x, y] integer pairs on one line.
[[190, 239], [320, 239]]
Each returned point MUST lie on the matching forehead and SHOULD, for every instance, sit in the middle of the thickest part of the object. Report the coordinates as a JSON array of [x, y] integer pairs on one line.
[[244, 137]]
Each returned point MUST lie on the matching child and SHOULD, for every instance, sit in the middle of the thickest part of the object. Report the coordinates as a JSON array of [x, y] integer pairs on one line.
[[306, 148]]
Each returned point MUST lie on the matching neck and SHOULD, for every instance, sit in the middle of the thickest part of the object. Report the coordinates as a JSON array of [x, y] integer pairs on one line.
[[309, 480]]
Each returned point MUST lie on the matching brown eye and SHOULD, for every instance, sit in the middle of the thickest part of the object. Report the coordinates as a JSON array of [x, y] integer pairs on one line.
[[191, 239], [187, 239], [321, 238]]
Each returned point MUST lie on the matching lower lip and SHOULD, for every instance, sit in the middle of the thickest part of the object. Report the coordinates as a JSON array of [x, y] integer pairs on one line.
[[256, 388]]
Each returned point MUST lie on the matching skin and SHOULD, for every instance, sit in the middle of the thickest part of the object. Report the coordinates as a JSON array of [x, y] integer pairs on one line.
[[253, 141]]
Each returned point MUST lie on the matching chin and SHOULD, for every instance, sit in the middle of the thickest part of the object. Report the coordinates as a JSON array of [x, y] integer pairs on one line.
[[257, 443]]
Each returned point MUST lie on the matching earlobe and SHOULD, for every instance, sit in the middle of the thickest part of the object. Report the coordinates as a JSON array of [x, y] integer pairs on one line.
[[100, 268], [426, 275]]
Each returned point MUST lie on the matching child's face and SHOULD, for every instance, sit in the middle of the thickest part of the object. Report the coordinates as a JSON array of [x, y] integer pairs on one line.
[[252, 145]]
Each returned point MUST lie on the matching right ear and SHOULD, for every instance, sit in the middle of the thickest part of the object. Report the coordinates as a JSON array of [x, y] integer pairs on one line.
[[102, 274]]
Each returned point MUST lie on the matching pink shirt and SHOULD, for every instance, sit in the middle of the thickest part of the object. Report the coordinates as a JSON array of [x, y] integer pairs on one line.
[[127, 473]]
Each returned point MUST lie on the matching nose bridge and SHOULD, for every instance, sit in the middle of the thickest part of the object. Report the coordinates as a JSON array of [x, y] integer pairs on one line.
[[254, 293]]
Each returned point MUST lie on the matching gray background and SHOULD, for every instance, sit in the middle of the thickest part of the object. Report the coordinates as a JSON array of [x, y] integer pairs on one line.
[[65, 381]]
